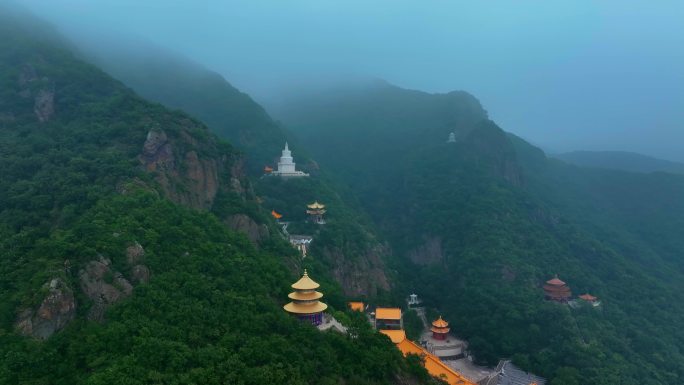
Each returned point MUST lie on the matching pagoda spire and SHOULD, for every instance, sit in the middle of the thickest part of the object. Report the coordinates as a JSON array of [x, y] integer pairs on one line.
[[305, 303]]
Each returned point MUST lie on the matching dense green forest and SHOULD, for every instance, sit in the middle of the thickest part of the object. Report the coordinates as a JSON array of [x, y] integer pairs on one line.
[[116, 265], [478, 225]]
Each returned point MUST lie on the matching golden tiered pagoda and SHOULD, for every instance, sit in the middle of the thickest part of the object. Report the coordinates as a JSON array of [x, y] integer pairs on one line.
[[557, 290], [316, 211], [305, 301], [440, 329]]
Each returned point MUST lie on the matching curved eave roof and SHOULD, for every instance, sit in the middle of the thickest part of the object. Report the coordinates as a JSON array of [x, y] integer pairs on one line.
[[297, 308], [440, 330], [305, 296], [316, 205], [555, 282], [440, 323], [305, 283]]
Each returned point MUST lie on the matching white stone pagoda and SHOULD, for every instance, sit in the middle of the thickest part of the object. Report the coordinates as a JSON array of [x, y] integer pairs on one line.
[[286, 166], [452, 138]]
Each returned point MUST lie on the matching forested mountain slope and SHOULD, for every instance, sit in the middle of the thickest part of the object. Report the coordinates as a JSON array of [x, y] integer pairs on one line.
[[478, 225], [116, 264], [348, 247], [179, 83]]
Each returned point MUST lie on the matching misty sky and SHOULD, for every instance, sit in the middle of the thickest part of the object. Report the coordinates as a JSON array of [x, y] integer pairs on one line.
[[576, 74]]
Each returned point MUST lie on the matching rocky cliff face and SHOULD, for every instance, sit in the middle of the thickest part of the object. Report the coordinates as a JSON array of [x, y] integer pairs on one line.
[[363, 276], [244, 224], [185, 177], [40, 89], [185, 174], [429, 252], [102, 285], [56, 310]]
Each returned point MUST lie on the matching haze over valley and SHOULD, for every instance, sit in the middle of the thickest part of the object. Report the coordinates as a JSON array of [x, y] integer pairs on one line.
[[318, 192]]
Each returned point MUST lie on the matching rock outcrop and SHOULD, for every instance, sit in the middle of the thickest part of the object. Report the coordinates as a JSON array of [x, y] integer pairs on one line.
[[246, 225], [56, 310], [184, 174], [42, 91], [103, 286], [134, 257], [429, 252], [44, 104], [361, 276]]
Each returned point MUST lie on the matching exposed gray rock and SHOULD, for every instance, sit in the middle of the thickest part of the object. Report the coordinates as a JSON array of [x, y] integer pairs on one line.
[[157, 152], [429, 252], [54, 313], [44, 105], [135, 253], [244, 224], [140, 274], [27, 75], [103, 286]]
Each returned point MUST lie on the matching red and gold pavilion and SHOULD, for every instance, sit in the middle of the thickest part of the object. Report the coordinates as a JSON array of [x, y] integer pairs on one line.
[[305, 303], [440, 329], [316, 211], [557, 290]]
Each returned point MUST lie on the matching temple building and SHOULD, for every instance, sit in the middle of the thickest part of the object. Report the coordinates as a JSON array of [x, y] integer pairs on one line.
[[591, 299], [433, 364], [316, 212], [301, 243], [413, 300], [508, 374], [557, 290], [305, 303], [357, 306], [452, 138], [438, 341], [439, 329], [286, 165], [276, 215], [388, 318]]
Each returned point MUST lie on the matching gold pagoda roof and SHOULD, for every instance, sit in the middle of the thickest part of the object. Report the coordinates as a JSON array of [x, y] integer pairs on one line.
[[298, 308], [305, 283], [441, 330], [440, 323], [316, 205], [305, 296]]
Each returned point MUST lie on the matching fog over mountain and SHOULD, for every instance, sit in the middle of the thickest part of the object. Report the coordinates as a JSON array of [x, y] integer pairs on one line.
[[566, 76]]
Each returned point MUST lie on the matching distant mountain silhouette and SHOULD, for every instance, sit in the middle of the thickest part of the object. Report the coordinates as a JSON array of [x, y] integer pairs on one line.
[[621, 160]]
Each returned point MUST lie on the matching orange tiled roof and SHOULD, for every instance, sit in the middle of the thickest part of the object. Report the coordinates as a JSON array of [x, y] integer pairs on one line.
[[395, 335], [433, 364], [588, 297], [393, 313], [276, 215], [356, 306]]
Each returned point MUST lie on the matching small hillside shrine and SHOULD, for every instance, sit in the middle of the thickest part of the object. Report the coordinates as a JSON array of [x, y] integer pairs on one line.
[[557, 290], [590, 298], [315, 212], [286, 165], [440, 329], [305, 303]]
